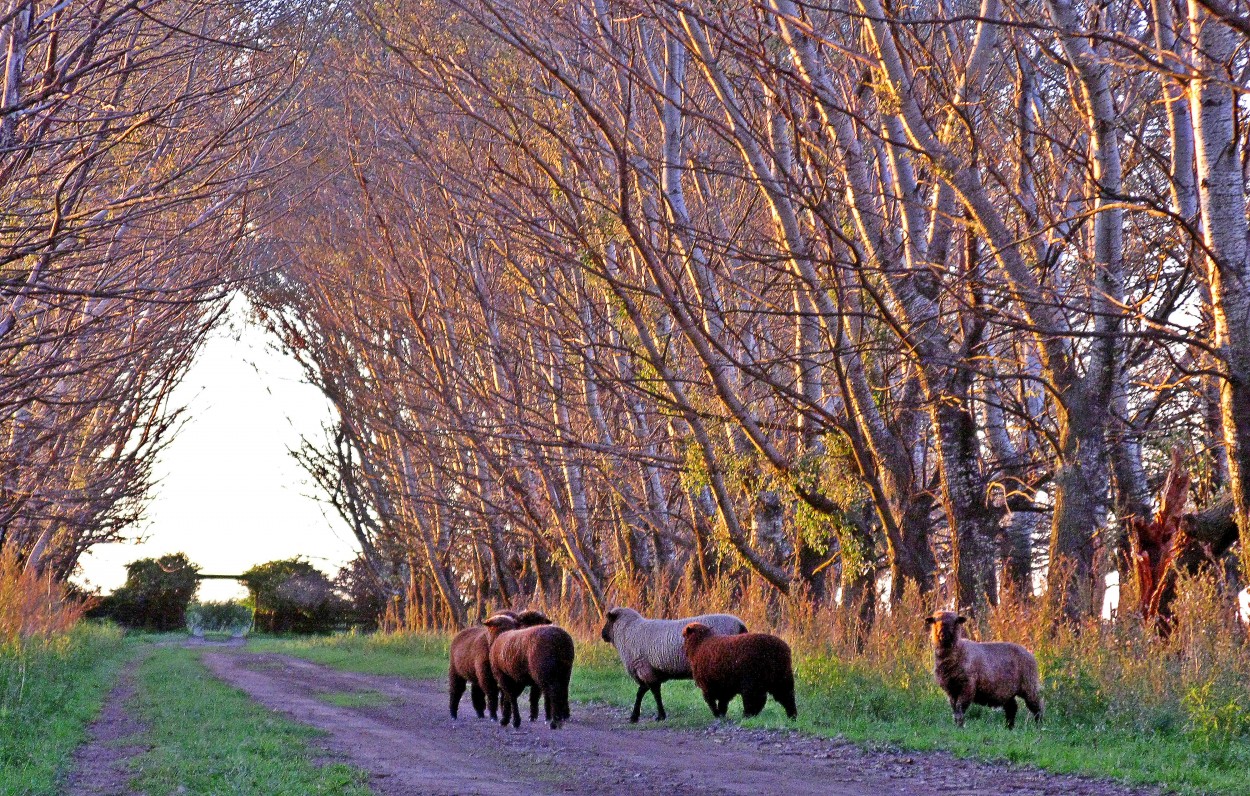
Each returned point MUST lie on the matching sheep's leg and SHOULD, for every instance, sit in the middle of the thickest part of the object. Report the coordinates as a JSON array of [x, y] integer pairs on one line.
[[479, 699], [1010, 707], [492, 700], [455, 688], [633, 717], [508, 705], [753, 702], [711, 703], [960, 703], [534, 695], [562, 700], [722, 706], [551, 700], [784, 694], [660, 715]]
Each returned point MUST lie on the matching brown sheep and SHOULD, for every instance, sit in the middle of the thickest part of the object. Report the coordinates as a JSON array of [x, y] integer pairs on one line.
[[470, 666], [538, 657], [751, 664], [985, 673]]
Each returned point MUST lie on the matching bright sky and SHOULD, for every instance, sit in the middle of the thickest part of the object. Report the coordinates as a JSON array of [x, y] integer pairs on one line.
[[230, 495]]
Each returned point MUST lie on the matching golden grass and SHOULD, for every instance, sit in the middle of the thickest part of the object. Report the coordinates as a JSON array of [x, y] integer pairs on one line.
[[33, 607]]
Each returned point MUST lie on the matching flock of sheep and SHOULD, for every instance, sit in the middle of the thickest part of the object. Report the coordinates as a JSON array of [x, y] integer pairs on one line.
[[514, 651]]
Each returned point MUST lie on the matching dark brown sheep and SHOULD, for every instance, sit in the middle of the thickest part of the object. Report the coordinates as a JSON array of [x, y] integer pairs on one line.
[[538, 657], [985, 673], [751, 664], [470, 666]]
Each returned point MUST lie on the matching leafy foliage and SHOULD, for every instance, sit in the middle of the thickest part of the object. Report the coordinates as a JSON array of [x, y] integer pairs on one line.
[[222, 617], [293, 596], [155, 595]]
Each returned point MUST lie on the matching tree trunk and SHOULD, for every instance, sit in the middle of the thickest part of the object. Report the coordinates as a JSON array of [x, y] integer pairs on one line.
[[1222, 197], [1081, 485]]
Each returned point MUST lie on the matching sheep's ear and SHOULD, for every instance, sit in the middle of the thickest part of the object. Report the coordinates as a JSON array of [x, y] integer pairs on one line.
[[961, 620], [928, 620]]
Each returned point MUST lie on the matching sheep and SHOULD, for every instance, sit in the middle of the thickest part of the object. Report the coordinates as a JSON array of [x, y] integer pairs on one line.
[[470, 666], [986, 673], [651, 649], [751, 664], [540, 657]]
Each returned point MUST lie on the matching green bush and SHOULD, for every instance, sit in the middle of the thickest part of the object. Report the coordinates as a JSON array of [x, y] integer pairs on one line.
[[293, 596], [155, 595], [219, 617]]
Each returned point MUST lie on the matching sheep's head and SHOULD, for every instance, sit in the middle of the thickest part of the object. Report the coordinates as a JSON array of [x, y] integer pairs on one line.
[[532, 619], [609, 620], [695, 632], [500, 623], [612, 617], [945, 627]]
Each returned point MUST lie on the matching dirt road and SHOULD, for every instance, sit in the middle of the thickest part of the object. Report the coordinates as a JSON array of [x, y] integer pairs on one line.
[[406, 739], [100, 765]]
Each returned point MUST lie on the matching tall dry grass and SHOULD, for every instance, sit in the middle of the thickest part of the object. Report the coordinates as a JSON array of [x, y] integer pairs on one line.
[[33, 607]]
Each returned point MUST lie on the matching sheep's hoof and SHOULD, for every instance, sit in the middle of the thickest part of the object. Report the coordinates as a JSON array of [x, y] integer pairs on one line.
[[633, 719]]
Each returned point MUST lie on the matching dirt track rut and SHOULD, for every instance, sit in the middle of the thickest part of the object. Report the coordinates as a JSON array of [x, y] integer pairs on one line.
[[412, 747]]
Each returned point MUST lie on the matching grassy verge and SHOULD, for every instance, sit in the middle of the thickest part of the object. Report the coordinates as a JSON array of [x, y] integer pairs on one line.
[[49, 693], [208, 738], [903, 710], [423, 657]]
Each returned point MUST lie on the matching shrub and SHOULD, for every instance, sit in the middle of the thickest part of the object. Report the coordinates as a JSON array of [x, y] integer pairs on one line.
[[155, 595], [358, 584], [219, 617], [293, 596]]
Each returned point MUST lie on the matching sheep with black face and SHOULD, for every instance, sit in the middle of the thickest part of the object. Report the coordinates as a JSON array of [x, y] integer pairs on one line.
[[652, 651]]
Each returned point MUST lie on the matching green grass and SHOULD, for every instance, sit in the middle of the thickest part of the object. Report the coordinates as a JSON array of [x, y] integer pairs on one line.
[[419, 657], [209, 739], [355, 699], [49, 694], [906, 711]]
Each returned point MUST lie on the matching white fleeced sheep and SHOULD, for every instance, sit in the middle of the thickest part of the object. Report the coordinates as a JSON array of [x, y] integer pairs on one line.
[[651, 649]]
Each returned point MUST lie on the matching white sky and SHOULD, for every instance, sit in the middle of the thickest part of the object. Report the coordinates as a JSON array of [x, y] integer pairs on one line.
[[229, 493]]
